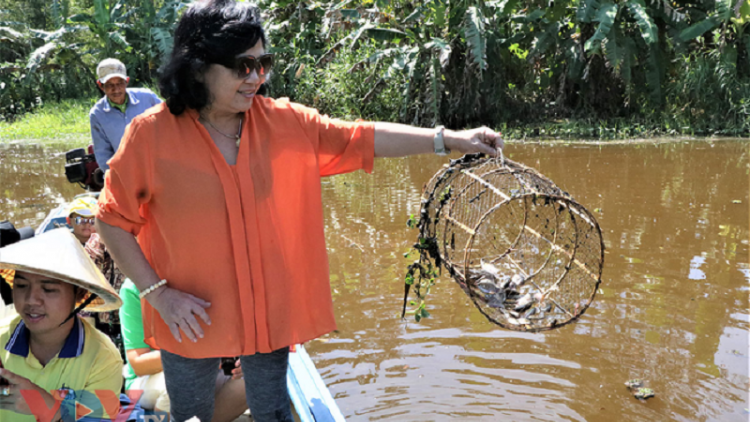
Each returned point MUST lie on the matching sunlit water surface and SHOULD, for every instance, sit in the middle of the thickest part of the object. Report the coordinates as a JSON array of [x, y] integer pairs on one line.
[[673, 305]]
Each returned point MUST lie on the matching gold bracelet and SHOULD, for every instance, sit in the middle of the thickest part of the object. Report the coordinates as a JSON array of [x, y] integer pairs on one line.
[[151, 288]]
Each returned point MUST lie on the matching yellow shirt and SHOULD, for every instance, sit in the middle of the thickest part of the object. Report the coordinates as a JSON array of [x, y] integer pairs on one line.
[[87, 362]]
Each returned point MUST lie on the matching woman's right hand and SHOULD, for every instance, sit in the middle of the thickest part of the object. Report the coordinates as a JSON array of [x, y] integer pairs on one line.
[[178, 310]]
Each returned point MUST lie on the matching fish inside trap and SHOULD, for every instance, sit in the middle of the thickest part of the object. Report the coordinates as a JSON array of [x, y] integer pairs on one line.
[[527, 254]]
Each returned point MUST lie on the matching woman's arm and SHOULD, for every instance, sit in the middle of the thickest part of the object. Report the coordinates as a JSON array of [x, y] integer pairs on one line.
[[128, 255], [145, 361], [176, 308], [396, 140]]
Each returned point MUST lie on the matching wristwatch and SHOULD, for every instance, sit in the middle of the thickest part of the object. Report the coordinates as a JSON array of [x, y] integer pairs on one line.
[[439, 141]]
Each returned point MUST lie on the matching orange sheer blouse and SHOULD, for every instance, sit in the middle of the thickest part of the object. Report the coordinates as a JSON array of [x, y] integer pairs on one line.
[[247, 238]]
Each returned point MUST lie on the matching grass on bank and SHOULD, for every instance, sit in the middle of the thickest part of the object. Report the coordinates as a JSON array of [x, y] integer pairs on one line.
[[66, 121], [617, 129]]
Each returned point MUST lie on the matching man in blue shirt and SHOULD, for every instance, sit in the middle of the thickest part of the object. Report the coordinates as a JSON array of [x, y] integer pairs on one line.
[[116, 109]]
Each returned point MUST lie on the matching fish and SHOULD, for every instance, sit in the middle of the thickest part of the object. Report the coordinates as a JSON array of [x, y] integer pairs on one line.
[[495, 301], [482, 274], [487, 287], [517, 281], [644, 393], [486, 266], [531, 312], [501, 296], [634, 383], [503, 282], [523, 302], [512, 294]]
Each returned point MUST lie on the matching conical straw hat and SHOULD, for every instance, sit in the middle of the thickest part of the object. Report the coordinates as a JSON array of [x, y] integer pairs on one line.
[[57, 254]]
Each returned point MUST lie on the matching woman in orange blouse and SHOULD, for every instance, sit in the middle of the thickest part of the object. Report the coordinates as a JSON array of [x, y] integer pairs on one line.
[[222, 190]]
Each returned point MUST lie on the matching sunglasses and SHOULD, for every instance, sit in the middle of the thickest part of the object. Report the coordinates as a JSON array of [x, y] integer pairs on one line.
[[84, 220], [244, 65]]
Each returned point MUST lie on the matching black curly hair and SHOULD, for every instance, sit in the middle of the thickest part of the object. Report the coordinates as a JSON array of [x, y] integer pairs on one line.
[[210, 32]]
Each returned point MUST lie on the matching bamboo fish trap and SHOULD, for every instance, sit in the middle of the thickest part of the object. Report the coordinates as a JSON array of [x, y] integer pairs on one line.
[[526, 253]]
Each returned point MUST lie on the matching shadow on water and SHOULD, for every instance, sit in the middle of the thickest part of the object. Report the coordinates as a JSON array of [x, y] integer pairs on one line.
[[673, 308]]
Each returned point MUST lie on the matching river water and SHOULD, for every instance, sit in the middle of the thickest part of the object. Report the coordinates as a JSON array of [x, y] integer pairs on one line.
[[672, 309]]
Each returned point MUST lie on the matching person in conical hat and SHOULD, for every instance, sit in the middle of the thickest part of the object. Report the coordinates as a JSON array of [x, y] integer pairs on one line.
[[48, 352]]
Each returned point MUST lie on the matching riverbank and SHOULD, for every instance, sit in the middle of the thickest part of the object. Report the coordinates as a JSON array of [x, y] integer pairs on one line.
[[63, 122], [67, 122]]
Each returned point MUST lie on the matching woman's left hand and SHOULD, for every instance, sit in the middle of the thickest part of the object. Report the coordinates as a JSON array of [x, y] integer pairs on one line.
[[483, 139], [16, 402]]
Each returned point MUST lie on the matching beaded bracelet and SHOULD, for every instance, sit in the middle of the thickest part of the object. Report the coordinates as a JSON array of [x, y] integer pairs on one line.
[[151, 288]]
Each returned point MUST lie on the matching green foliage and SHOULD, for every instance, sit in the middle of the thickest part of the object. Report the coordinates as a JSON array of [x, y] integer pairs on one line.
[[606, 18], [697, 29], [649, 31], [475, 37], [505, 63], [587, 10], [56, 60]]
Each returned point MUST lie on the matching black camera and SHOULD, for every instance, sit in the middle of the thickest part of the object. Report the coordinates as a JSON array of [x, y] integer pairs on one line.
[[81, 168], [8, 235], [227, 364]]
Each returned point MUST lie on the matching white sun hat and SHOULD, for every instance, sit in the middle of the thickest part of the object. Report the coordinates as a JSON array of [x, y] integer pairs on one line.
[[111, 68], [57, 254]]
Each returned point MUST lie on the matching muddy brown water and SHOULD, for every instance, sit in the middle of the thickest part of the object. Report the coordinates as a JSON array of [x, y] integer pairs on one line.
[[673, 305]]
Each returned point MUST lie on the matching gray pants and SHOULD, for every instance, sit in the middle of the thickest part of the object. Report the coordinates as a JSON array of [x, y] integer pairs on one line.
[[191, 386]]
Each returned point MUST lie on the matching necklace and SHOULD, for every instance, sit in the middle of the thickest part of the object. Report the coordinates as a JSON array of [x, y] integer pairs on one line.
[[235, 137]]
